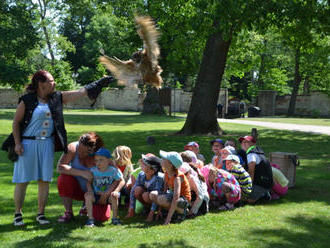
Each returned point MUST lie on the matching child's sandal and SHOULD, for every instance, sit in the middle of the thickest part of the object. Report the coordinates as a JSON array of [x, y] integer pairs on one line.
[[115, 221]]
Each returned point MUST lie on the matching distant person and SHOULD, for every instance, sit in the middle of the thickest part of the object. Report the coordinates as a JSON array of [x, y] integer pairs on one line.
[[219, 109], [259, 169], [104, 187], [242, 109]]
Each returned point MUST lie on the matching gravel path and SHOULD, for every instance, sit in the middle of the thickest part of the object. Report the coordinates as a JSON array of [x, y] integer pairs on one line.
[[282, 126]]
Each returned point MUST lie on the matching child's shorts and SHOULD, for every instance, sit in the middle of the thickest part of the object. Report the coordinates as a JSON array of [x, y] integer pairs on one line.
[[68, 186], [182, 203]]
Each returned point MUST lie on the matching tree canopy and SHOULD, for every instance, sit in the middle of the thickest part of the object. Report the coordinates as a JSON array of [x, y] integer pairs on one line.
[[242, 45]]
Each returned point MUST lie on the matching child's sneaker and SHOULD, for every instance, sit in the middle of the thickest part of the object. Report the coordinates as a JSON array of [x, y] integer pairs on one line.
[[41, 219], [115, 221], [67, 217], [18, 220], [90, 223], [182, 217]]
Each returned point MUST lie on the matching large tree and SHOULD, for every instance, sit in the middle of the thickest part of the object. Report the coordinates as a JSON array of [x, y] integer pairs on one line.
[[298, 34], [225, 19]]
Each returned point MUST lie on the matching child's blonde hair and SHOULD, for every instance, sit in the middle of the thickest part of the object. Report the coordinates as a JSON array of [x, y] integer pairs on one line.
[[122, 155], [213, 170]]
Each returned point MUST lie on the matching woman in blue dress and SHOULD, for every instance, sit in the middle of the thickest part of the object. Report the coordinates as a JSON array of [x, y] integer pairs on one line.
[[38, 130]]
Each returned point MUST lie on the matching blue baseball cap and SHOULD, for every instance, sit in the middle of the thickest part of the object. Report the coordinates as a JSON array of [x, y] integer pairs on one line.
[[173, 157], [217, 140], [103, 152]]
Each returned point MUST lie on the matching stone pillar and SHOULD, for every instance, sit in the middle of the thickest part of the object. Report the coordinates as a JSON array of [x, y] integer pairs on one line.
[[176, 100], [223, 100], [266, 102]]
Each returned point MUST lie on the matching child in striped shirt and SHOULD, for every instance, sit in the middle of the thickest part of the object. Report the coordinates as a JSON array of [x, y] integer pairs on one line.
[[242, 176]]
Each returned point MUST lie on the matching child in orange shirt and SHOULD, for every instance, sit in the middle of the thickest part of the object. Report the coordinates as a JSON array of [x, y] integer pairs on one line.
[[176, 196]]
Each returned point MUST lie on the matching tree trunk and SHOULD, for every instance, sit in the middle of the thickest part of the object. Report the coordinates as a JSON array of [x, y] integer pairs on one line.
[[297, 80], [201, 117], [261, 75], [307, 88], [151, 104], [43, 12]]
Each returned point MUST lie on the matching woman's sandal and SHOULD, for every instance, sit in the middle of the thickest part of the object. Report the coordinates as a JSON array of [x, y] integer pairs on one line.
[[41, 219], [18, 220]]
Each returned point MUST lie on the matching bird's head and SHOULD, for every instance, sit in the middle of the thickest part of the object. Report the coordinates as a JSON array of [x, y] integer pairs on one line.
[[137, 57]]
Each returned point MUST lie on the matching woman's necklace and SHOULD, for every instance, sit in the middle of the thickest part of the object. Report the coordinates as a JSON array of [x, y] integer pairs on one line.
[[42, 99]]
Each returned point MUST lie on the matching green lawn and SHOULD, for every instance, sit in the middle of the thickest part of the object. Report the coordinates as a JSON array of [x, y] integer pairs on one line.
[[301, 219], [302, 121]]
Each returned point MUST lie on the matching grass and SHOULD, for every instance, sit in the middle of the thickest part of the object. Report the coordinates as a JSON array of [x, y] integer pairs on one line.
[[302, 218], [302, 121]]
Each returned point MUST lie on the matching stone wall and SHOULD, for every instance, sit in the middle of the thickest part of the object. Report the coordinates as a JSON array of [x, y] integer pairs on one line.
[[315, 104], [8, 98], [266, 102], [116, 99]]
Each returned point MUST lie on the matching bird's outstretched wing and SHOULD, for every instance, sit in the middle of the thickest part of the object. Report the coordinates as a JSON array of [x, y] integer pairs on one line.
[[144, 64], [149, 35], [125, 72]]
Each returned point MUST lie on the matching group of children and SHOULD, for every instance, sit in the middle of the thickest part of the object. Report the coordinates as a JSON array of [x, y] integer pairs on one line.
[[175, 185]]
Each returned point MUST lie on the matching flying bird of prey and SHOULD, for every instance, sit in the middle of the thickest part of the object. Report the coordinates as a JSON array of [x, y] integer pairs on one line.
[[143, 65]]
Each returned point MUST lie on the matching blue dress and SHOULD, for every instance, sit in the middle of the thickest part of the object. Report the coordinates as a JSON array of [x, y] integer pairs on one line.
[[36, 162]]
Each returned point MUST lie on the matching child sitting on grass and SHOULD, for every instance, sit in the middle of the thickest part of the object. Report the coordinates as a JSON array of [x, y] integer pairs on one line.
[[104, 187], [150, 179], [198, 187], [217, 145], [242, 176], [176, 196], [223, 187], [194, 147], [122, 156]]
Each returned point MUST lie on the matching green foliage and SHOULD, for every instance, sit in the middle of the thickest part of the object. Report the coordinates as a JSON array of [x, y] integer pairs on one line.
[[62, 74], [17, 37], [264, 36], [86, 74]]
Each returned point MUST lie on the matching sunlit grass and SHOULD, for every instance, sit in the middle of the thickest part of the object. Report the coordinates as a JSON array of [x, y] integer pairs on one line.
[[301, 219], [301, 121]]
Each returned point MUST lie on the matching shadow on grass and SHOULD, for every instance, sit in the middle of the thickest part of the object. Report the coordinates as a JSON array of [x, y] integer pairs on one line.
[[60, 232], [106, 119], [301, 232], [170, 243]]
